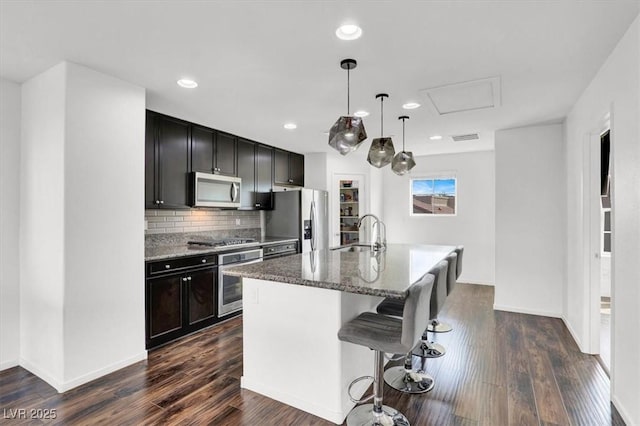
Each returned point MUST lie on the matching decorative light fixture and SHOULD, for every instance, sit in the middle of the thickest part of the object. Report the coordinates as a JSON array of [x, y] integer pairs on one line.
[[381, 151], [403, 161], [348, 132], [349, 32], [187, 84], [361, 113], [290, 126], [435, 137]]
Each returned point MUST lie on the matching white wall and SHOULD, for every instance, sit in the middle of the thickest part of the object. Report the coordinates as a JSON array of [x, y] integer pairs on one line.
[[42, 225], [82, 226], [530, 220], [315, 171], [473, 226], [104, 247], [9, 222], [614, 90]]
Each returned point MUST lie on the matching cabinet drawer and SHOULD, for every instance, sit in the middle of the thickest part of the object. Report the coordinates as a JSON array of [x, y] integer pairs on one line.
[[180, 263], [290, 248]]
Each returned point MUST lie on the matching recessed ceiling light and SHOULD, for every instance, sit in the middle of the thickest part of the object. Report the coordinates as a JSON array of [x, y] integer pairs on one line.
[[361, 113], [290, 126], [411, 105], [187, 84], [435, 137], [349, 32]]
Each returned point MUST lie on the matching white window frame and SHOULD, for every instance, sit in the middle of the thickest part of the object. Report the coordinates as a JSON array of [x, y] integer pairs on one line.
[[439, 176]]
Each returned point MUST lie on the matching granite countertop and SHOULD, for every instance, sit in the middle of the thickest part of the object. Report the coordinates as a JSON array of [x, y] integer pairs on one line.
[[169, 251], [386, 274]]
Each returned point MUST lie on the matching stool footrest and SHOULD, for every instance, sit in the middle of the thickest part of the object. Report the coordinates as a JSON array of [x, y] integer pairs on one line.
[[365, 399]]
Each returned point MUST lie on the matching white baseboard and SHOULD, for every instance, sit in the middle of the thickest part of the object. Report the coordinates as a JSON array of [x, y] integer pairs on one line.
[[40, 373], [623, 413], [61, 386], [294, 401], [575, 336], [526, 311], [5, 365]]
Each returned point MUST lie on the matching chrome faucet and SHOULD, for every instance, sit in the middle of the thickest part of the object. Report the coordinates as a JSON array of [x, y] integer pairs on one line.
[[381, 242]]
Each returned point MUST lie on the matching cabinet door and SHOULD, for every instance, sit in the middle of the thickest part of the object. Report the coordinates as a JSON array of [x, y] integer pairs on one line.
[[164, 305], [247, 171], [296, 169], [225, 157], [201, 289], [281, 167], [264, 178], [150, 183], [173, 160], [202, 148]]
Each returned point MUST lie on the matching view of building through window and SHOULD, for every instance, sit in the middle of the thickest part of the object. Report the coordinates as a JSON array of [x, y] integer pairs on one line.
[[433, 196]]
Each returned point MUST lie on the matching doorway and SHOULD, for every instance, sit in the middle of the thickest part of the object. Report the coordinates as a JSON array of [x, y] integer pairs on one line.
[[349, 202], [605, 249]]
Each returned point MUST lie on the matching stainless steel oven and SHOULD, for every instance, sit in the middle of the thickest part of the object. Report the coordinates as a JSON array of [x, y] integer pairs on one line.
[[230, 288]]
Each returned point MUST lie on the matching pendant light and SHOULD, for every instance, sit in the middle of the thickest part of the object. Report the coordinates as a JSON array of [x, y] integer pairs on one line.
[[403, 161], [348, 132], [381, 151]]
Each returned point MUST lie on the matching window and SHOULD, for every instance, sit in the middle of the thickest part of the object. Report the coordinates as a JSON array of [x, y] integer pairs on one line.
[[433, 196]]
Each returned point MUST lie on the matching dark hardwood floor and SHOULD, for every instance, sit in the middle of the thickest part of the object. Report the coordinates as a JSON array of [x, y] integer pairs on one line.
[[500, 369]]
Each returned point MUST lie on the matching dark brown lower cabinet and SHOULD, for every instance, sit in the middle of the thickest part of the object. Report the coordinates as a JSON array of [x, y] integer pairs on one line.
[[179, 304], [202, 291]]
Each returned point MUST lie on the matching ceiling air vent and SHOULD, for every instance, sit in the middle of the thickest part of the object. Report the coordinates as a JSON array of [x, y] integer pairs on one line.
[[469, 137]]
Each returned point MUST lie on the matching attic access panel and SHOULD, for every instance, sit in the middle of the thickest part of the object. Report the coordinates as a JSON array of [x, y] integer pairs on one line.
[[466, 96]]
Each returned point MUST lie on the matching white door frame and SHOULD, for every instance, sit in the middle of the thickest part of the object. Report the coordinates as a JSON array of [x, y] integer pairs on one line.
[[592, 234]]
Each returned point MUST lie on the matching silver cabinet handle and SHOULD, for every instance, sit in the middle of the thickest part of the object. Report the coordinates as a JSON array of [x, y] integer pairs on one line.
[[167, 266], [184, 280], [157, 201], [188, 278], [161, 202], [257, 204], [204, 260]]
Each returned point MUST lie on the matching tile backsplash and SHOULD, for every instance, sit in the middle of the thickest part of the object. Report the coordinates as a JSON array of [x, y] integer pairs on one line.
[[195, 220]]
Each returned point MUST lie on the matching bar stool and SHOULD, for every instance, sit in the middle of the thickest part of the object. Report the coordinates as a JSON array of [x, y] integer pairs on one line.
[[435, 326], [382, 334], [404, 378], [459, 252]]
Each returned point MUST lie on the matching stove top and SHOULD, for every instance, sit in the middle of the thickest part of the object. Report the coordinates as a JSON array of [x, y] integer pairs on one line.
[[222, 243]]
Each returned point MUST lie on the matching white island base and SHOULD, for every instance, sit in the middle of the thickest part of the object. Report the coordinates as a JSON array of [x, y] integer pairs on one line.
[[291, 349]]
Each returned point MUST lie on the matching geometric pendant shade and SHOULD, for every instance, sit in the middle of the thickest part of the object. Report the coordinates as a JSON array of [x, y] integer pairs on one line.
[[403, 161], [381, 152], [348, 132]]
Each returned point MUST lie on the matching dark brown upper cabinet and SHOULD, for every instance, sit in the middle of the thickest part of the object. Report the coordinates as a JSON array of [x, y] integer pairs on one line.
[[255, 169], [166, 161], [213, 151], [288, 168], [174, 148], [247, 171]]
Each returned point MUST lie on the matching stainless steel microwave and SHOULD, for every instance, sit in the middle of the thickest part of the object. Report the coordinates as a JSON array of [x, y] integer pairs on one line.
[[215, 190]]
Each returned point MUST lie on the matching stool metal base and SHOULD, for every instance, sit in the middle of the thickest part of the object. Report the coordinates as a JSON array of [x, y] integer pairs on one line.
[[429, 350], [439, 327], [408, 381], [363, 415]]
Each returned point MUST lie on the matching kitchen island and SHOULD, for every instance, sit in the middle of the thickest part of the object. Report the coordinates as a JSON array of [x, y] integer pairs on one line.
[[294, 307]]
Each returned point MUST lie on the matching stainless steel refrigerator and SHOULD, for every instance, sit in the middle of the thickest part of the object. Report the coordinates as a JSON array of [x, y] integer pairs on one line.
[[302, 214]]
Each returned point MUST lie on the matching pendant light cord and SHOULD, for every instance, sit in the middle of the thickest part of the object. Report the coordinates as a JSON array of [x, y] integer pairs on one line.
[[348, 93], [381, 117], [403, 135]]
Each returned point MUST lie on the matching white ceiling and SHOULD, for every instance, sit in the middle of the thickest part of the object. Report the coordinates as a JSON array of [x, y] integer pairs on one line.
[[260, 64]]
